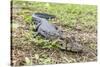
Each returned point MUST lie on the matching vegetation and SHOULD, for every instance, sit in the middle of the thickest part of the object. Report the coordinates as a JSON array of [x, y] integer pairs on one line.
[[29, 49]]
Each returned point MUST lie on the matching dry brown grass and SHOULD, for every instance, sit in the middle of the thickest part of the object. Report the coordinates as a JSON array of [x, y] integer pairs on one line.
[[26, 50]]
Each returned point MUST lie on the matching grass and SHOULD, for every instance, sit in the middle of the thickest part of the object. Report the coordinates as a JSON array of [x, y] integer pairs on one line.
[[28, 49]]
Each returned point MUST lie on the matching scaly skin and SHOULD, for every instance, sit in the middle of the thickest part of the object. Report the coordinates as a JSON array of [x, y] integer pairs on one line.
[[49, 31], [70, 44]]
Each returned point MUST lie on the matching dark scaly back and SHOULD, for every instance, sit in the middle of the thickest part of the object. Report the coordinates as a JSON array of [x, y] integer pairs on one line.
[[44, 15]]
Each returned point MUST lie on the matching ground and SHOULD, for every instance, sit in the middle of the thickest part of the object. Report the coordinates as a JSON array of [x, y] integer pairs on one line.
[[73, 19]]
